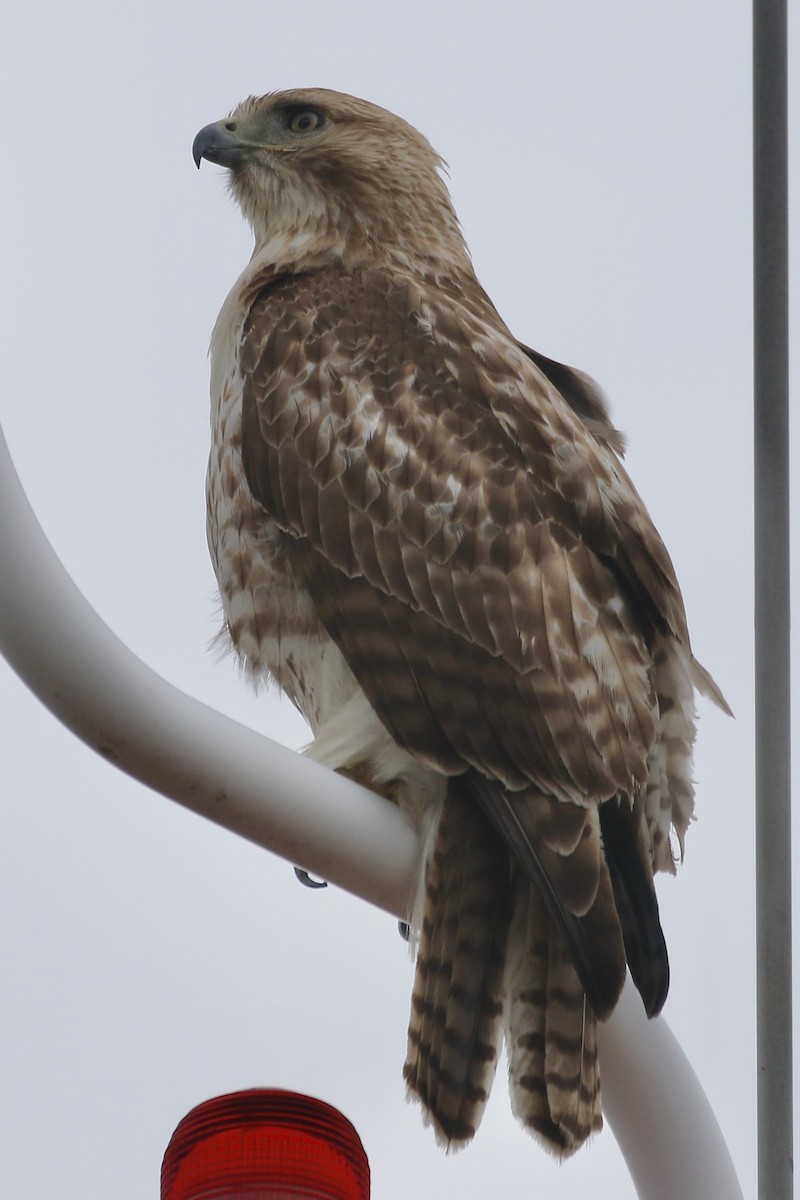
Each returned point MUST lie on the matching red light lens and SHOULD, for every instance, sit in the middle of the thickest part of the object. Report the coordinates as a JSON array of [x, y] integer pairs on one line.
[[265, 1143]]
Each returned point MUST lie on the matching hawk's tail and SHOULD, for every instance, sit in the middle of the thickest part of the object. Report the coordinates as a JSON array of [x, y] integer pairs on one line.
[[551, 1032], [457, 1002], [532, 908], [489, 949]]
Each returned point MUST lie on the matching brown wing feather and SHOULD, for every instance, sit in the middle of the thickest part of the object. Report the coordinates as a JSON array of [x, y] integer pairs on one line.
[[582, 394], [466, 507], [454, 442]]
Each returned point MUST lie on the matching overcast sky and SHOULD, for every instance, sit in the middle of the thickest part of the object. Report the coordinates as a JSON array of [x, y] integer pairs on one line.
[[599, 159]]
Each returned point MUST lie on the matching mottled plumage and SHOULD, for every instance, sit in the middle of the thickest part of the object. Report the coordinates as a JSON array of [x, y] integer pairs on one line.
[[422, 530]]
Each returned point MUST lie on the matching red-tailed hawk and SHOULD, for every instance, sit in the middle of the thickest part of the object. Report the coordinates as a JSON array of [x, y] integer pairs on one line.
[[422, 530]]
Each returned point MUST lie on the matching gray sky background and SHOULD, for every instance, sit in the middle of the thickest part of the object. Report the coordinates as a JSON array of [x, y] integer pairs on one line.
[[600, 162]]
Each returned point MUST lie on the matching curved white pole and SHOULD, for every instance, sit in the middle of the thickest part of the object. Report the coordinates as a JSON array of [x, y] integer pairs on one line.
[[88, 679], [660, 1115], [206, 762]]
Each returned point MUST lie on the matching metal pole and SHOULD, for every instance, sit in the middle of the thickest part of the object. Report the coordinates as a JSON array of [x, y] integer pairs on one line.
[[772, 696]]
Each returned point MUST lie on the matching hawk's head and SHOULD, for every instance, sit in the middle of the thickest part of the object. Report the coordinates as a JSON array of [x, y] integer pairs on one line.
[[322, 169]]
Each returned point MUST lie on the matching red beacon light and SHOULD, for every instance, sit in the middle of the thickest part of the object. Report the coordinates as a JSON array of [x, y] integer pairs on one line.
[[265, 1144]]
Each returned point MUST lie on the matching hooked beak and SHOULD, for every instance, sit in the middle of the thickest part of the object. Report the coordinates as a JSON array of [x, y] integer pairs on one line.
[[218, 145]]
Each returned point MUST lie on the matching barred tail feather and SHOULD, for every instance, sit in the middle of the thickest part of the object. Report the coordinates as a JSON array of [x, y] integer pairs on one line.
[[551, 1032], [457, 1002]]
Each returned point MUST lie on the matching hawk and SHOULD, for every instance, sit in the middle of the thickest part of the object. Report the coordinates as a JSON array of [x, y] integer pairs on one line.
[[422, 530]]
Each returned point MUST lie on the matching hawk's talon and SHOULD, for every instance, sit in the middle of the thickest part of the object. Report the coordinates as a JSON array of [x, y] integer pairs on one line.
[[307, 881]]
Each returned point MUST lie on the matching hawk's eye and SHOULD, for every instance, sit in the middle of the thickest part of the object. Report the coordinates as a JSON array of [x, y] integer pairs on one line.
[[304, 122]]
